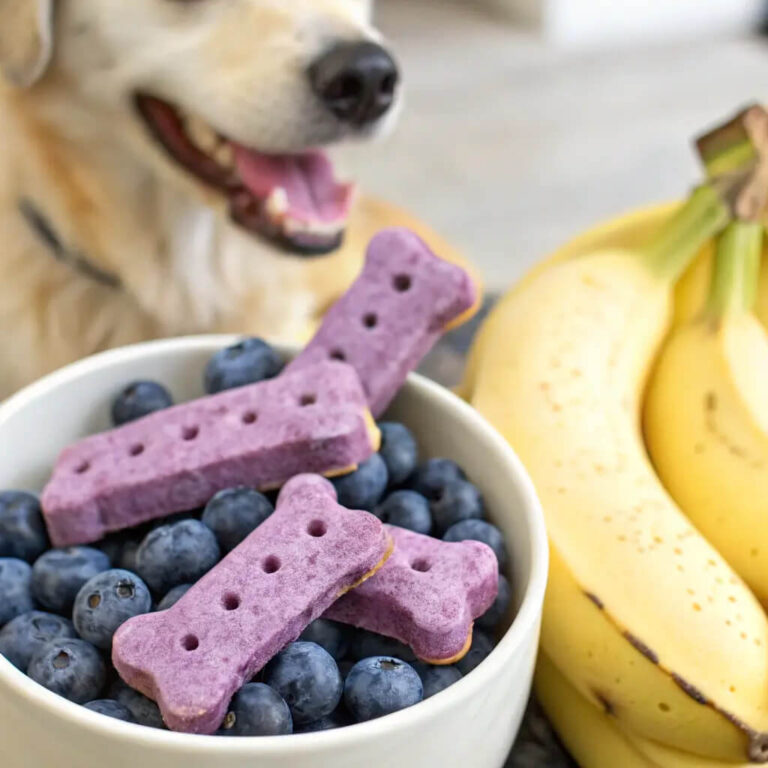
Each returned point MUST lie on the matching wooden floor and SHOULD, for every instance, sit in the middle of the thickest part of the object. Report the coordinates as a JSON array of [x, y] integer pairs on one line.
[[509, 147]]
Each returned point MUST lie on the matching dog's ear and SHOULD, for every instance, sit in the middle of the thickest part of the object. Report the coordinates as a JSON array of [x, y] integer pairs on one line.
[[26, 39]]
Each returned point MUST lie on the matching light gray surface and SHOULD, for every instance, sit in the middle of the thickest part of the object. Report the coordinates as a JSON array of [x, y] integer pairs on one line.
[[510, 147]]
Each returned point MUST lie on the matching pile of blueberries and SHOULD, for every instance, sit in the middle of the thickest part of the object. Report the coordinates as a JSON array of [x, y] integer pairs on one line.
[[59, 608]]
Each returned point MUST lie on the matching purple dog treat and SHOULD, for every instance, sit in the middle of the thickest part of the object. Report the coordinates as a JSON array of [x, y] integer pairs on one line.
[[405, 298], [427, 595], [313, 420], [193, 657]]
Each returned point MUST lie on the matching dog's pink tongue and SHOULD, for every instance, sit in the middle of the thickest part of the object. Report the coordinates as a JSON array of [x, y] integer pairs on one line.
[[313, 193]]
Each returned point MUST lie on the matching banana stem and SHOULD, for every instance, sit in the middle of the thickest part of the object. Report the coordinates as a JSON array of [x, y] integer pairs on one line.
[[737, 268], [703, 217]]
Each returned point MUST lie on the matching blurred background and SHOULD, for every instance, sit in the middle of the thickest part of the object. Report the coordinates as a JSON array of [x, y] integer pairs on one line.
[[529, 120]]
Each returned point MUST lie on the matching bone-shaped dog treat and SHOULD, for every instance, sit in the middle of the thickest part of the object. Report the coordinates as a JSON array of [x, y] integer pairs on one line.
[[427, 595], [312, 420], [193, 657], [393, 314]]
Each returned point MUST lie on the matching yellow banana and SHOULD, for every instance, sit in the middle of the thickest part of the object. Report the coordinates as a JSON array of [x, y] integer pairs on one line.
[[692, 290], [559, 369], [629, 231], [706, 416], [593, 736]]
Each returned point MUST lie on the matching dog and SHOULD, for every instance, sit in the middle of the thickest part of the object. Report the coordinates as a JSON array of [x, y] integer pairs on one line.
[[161, 170]]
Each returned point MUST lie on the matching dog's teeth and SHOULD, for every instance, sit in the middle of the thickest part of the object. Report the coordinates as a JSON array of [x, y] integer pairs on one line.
[[201, 134], [295, 227], [277, 203], [224, 155]]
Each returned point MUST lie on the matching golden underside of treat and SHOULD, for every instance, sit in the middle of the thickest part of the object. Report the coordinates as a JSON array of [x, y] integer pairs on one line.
[[339, 472], [376, 569], [468, 314], [458, 657], [373, 431]]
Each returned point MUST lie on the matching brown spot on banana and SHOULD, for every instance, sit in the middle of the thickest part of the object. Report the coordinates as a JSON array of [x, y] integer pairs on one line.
[[595, 599], [711, 405], [604, 702], [690, 690], [639, 645]]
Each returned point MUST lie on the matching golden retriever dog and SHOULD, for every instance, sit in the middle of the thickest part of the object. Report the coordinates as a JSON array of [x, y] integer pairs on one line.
[[162, 170]]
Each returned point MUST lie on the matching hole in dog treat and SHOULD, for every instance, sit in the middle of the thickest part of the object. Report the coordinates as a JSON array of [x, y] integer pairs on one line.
[[82, 468], [231, 601], [402, 283], [190, 642], [338, 354], [271, 564], [309, 399], [190, 433], [421, 565], [249, 417], [61, 660], [317, 528], [94, 600], [370, 320], [136, 450]]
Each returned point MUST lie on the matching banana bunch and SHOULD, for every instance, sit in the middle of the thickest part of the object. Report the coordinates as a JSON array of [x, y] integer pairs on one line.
[[645, 429]]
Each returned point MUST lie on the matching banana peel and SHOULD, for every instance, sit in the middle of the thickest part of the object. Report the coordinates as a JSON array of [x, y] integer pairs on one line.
[[594, 737], [718, 717]]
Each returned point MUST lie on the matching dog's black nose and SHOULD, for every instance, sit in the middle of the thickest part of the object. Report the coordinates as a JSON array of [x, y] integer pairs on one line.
[[356, 81]]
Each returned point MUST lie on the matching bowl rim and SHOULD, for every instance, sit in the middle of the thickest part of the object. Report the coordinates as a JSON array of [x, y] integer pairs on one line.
[[524, 625]]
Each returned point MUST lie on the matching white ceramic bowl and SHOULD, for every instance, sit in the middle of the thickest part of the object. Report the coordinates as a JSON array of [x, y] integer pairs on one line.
[[470, 725]]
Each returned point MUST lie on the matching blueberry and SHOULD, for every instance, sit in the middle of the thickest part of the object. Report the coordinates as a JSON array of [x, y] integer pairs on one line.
[[459, 500], [58, 575], [72, 668], [406, 509], [366, 644], [345, 667], [111, 708], [379, 686], [15, 588], [399, 451], [307, 677], [176, 554], [493, 616], [234, 514], [257, 710], [105, 602], [363, 488], [247, 362], [143, 710], [479, 530], [173, 597], [23, 637], [22, 530], [127, 558], [481, 648], [339, 719], [329, 635], [436, 679], [138, 399], [111, 546], [433, 475]]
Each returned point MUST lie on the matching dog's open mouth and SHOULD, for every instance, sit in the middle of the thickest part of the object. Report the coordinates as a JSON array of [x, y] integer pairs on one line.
[[294, 200]]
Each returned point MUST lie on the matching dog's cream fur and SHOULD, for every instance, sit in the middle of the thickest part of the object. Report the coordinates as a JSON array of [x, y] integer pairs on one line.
[[71, 143]]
